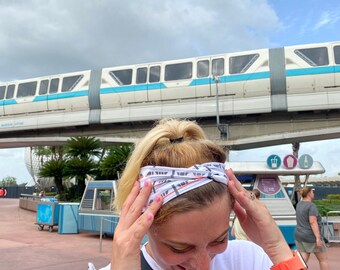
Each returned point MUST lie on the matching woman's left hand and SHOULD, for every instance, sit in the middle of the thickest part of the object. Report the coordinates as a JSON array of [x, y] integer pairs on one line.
[[257, 222]]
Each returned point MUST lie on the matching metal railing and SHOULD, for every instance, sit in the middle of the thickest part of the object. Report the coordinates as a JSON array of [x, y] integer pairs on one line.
[[102, 220]]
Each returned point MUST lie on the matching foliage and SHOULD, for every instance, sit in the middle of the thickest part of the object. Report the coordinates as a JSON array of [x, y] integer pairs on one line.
[[81, 153], [70, 194], [79, 158], [8, 181], [83, 147], [115, 161], [326, 205], [54, 168], [51, 194], [333, 196]]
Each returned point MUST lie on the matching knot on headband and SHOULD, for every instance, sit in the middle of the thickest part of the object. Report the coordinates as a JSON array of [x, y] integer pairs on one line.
[[171, 182]]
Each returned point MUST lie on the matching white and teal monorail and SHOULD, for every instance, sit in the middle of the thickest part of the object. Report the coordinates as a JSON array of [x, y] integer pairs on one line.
[[288, 79]]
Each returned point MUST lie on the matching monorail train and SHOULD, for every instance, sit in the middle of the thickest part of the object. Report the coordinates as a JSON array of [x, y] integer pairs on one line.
[[288, 79]]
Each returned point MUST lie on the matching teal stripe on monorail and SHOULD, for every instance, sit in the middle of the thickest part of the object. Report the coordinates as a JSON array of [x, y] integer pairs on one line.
[[8, 102], [132, 88], [71, 94], [245, 77], [309, 71]]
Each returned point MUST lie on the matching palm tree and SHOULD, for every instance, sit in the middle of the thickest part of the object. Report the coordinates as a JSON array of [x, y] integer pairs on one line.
[[83, 146], [54, 168], [115, 161], [82, 152]]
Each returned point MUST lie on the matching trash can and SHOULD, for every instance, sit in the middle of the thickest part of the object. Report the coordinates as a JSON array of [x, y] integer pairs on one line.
[[47, 214], [68, 218]]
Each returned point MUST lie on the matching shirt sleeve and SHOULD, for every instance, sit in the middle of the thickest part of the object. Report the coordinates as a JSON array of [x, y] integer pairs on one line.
[[313, 211]]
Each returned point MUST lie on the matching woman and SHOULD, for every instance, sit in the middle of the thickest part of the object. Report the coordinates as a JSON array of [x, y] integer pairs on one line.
[[175, 189], [308, 237]]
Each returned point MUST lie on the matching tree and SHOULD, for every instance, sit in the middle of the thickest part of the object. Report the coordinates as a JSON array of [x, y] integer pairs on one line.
[[83, 146], [55, 168], [115, 160], [82, 153], [9, 181]]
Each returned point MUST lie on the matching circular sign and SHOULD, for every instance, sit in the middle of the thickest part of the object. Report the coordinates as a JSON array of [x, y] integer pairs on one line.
[[274, 161], [3, 192], [305, 161], [290, 161]]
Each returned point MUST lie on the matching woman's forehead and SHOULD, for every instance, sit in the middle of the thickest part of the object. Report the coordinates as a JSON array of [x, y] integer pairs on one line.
[[212, 218]]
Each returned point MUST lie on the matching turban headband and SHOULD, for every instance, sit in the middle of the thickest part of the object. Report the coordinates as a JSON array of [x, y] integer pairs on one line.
[[171, 182]]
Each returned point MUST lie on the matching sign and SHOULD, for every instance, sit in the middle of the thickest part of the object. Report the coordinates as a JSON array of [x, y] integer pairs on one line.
[[3, 192], [306, 161], [268, 185], [290, 161], [274, 161]]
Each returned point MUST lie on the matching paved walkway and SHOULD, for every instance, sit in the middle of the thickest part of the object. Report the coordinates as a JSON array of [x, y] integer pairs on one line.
[[23, 247]]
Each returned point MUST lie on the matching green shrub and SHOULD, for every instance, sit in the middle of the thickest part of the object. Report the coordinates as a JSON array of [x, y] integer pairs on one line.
[[333, 196], [331, 203], [50, 194]]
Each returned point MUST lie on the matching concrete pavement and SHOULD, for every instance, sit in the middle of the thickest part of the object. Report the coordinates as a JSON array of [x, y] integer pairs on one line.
[[23, 247]]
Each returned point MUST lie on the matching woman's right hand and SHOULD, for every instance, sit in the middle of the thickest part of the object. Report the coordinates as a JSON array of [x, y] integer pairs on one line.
[[132, 227]]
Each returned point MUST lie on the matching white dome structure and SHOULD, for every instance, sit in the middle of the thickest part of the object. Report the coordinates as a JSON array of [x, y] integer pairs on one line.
[[33, 164]]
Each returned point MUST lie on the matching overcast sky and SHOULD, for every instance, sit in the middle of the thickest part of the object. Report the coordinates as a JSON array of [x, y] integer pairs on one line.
[[45, 37]]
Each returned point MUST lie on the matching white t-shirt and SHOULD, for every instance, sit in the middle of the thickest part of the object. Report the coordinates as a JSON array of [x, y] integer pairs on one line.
[[239, 255]]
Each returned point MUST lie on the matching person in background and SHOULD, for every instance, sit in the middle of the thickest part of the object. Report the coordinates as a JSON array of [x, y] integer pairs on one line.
[[308, 238], [175, 189], [236, 230]]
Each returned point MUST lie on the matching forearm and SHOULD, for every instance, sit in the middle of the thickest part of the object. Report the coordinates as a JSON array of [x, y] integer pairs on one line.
[[315, 229]]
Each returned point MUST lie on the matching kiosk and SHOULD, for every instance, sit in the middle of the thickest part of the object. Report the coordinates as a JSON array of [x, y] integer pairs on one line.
[[96, 212], [267, 180]]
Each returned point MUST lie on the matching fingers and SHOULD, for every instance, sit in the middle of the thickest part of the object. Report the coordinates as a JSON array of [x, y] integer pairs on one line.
[[133, 224], [131, 198], [136, 201], [140, 227], [240, 194]]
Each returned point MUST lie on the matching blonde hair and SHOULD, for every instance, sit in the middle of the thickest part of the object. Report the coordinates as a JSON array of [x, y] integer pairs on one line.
[[173, 143]]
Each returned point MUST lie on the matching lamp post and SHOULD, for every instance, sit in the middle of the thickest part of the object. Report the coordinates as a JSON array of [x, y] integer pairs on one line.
[[222, 128]]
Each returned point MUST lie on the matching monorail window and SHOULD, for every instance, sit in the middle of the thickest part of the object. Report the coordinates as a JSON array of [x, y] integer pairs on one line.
[[314, 56], [217, 66], [155, 74], [141, 75], [54, 86], [43, 87], [103, 199], [337, 54], [10, 91], [241, 63], [122, 77], [202, 68], [69, 83], [27, 89], [182, 71], [2, 92]]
